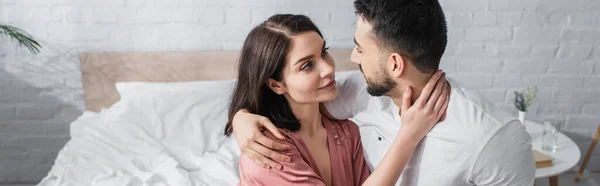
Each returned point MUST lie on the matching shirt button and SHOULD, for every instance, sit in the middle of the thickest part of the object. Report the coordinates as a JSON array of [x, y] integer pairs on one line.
[[379, 138]]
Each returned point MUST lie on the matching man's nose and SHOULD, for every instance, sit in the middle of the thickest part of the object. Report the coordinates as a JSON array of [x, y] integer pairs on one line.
[[355, 56]]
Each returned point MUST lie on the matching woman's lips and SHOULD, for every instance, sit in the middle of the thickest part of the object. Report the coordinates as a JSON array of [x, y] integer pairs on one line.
[[329, 85]]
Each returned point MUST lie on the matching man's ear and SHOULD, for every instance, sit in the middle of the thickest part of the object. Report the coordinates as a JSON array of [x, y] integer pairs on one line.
[[276, 86], [397, 65]]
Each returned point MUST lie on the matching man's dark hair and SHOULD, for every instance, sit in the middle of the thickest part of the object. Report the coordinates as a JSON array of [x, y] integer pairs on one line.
[[414, 28]]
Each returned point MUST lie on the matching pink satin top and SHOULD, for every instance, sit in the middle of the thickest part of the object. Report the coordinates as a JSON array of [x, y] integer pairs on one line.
[[348, 165]]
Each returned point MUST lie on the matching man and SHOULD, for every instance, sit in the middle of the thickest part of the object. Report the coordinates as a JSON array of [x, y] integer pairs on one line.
[[399, 43]]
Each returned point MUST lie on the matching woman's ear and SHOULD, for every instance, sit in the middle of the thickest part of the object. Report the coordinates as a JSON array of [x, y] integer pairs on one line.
[[276, 86]]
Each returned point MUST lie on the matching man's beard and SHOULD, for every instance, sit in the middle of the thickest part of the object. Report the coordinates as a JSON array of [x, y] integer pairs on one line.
[[382, 84]]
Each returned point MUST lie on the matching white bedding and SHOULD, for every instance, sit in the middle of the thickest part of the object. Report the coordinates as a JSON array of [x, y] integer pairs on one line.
[[157, 134], [141, 140]]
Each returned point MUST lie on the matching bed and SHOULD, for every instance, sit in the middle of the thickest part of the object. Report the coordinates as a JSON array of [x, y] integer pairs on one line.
[[155, 118]]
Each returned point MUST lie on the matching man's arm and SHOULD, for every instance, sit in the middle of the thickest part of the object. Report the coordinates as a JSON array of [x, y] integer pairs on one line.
[[296, 172], [254, 144], [506, 159]]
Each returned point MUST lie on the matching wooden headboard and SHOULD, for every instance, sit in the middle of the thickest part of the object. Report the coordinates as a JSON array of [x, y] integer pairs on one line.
[[101, 71]]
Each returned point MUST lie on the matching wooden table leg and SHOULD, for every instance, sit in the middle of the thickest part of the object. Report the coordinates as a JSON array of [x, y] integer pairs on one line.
[[554, 181]]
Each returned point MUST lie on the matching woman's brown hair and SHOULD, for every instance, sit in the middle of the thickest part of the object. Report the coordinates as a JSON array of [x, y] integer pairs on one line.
[[263, 57]]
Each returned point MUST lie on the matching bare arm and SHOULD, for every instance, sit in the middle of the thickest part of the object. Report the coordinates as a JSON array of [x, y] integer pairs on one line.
[[297, 172], [254, 144], [417, 121]]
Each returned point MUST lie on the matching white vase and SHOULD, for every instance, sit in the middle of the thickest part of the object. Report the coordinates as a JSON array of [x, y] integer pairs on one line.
[[522, 116]]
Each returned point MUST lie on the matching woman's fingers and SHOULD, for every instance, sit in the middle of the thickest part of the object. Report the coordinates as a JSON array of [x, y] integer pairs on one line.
[[426, 92]]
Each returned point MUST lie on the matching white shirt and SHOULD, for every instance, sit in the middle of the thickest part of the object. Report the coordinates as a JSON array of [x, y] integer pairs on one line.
[[477, 143]]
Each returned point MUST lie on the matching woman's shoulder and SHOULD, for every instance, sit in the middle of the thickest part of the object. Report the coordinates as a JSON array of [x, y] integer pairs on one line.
[[249, 164], [297, 167]]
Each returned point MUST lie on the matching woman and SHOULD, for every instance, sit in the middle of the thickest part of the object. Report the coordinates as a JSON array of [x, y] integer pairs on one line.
[[284, 74]]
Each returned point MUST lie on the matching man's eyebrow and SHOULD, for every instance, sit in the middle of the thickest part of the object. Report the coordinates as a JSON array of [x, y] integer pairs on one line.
[[356, 42]]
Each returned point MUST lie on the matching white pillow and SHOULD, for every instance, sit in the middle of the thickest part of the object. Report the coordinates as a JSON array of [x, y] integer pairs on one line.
[[195, 110], [197, 88], [134, 89], [188, 118]]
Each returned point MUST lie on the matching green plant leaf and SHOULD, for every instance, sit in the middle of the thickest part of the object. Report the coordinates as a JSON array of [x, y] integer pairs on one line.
[[22, 37]]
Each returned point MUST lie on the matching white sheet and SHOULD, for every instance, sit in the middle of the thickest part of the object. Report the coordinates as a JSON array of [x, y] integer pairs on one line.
[[149, 141]]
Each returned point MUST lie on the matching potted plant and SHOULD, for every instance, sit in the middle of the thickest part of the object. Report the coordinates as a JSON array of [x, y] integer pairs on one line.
[[523, 100], [20, 36]]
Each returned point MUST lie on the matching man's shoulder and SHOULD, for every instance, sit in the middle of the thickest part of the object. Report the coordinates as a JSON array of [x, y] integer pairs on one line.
[[474, 106], [480, 118]]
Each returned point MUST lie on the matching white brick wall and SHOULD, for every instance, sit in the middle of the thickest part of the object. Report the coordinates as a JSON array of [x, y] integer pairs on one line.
[[495, 46]]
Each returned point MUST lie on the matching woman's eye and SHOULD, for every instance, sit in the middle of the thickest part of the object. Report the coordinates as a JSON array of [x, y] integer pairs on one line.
[[306, 66]]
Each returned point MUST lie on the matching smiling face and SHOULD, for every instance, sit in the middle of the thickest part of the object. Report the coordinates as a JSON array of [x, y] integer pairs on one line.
[[283, 63], [309, 72]]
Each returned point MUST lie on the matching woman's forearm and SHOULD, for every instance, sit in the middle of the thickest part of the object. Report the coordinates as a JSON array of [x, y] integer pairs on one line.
[[392, 164]]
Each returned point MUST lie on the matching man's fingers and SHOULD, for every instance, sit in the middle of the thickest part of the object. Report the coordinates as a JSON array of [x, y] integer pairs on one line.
[[266, 153], [271, 147], [428, 88], [406, 100], [253, 155], [262, 160], [272, 144], [265, 122]]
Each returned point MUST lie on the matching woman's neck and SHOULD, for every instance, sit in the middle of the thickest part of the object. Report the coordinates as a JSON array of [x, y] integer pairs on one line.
[[309, 117]]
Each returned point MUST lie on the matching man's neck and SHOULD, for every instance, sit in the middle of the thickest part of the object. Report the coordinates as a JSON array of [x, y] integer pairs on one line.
[[397, 99], [417, 87]]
